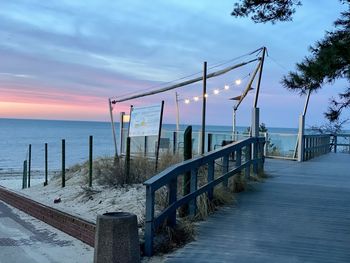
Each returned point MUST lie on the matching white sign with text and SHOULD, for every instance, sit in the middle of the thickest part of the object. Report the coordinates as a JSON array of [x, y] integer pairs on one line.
[[145, 121]]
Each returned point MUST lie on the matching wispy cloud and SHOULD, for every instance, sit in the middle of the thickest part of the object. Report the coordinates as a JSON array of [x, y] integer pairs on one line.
[[11, 75]]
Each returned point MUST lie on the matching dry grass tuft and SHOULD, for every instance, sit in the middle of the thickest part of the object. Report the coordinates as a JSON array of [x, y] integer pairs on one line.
[[204, 207], [239, 183], [223, 196], [88, 193], [170, 238], [112, 172], [162, 198], [167, 159]]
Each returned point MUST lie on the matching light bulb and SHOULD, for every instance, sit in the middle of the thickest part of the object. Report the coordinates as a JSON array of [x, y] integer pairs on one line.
[[206, 95], [238, 81], [196, 98], [216, 91], [227, 87], [187, 101]]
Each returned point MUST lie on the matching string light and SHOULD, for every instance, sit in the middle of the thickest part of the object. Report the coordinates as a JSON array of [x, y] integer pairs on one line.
[[238, 81], [226, 87]]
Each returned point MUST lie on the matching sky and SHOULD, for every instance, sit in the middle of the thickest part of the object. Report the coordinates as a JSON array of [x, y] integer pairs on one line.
[[63, 59]]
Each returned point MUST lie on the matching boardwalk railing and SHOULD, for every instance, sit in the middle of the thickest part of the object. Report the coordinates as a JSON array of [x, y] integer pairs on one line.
[[248, 152], [342, 140], [316, 145]]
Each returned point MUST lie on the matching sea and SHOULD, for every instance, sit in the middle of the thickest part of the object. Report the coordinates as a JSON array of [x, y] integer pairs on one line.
[[17, 134]]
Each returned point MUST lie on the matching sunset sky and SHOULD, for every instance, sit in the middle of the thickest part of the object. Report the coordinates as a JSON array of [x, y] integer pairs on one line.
[[63, 59]]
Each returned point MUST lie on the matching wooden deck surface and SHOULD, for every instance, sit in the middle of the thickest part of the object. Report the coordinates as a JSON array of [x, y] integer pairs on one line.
[[300, 214]]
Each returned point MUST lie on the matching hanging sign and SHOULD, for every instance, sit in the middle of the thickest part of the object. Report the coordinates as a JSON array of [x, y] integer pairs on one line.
[[145, 121]]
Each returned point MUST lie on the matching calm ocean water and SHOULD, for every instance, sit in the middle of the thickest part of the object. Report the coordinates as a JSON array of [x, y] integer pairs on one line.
[[16, 135]]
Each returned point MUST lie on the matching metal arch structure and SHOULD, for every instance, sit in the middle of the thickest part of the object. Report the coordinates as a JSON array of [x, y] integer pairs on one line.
[[113, 100]]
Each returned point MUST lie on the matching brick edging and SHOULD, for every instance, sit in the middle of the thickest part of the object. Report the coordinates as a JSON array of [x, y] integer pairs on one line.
[[72, 225]]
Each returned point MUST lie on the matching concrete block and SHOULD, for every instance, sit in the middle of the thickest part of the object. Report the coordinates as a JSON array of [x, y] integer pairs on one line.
[[116, 238]]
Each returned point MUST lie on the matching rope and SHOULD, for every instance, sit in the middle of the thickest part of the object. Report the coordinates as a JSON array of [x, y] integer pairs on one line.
[[277, 63], [216, 65]]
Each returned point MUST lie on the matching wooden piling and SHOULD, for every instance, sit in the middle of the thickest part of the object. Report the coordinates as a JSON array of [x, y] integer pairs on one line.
[[46, 164], [63, 163], [90, 160]]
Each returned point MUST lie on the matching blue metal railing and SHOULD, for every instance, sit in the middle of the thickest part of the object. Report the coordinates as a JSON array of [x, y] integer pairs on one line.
[[341, 140], [316, 145], [248, 152]]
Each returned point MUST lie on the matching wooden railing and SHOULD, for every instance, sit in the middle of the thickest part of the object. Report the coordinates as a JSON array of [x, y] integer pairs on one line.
[[248, 152], [316, 145], [335, 142]]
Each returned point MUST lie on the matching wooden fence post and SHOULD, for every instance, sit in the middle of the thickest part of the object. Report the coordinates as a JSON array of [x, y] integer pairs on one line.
[[29, 164], [46, 165], [90, 160], [63, 163], [127, 158], [24, 181], [174, 142]]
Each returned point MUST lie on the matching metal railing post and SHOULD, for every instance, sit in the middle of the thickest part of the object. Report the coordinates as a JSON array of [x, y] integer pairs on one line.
[[193, 202], [211, 170], [149, 221], [172, 190], [225, 169], [187, 180], [174, 142], [247, 158]]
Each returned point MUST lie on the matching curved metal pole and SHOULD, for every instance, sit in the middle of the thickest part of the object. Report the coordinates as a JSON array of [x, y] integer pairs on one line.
[[259, 79]]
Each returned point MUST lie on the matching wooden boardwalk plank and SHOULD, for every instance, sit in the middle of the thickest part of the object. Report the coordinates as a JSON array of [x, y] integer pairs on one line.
[[300, 214]]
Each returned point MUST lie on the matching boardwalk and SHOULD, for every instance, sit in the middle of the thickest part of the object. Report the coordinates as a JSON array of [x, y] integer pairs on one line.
[[300, 214]]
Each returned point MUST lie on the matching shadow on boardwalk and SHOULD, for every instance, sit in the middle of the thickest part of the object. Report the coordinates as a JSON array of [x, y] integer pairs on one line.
[[300, 214]]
